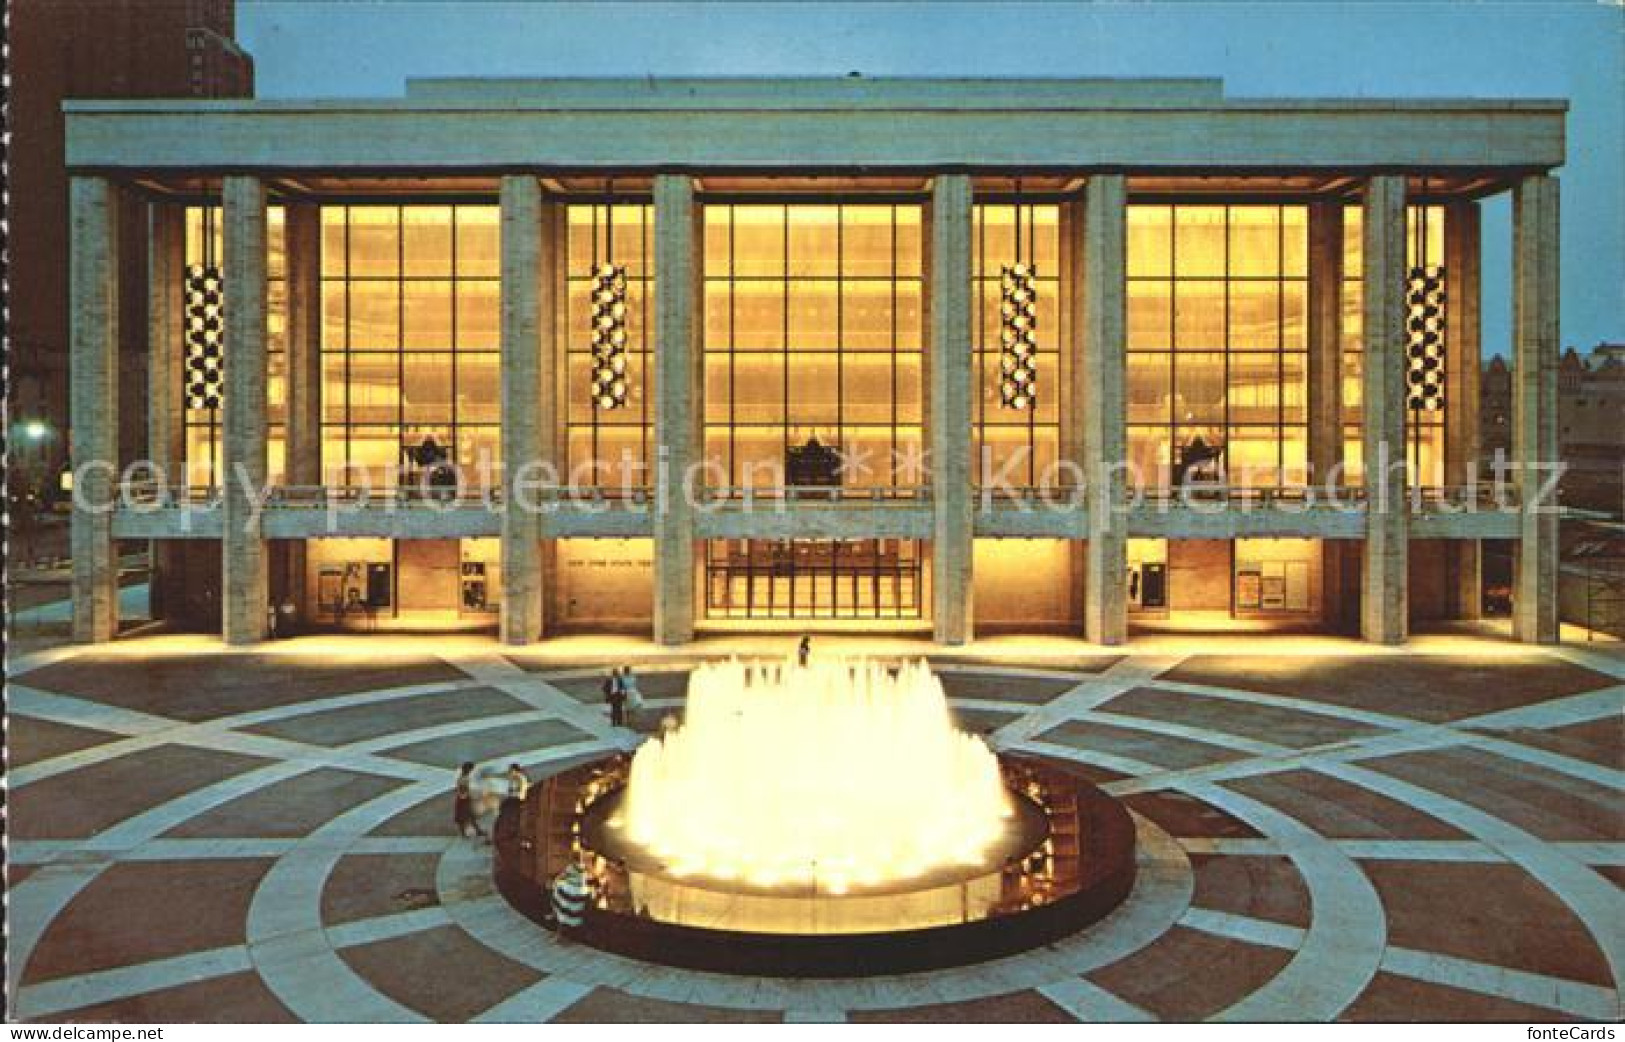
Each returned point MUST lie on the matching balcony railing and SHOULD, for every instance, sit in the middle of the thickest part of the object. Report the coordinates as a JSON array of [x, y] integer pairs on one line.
[[877, 495], [153, 495]]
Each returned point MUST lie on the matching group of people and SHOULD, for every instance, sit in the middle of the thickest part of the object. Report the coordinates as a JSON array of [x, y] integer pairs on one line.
[[570, 889], [622, 694], [475, 798]]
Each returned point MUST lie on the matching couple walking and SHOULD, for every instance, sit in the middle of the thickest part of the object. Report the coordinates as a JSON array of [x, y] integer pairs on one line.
[[622, 694]]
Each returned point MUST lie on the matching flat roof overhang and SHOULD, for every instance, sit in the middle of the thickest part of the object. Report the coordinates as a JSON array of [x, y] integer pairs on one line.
[[462, 187], [807, 127]]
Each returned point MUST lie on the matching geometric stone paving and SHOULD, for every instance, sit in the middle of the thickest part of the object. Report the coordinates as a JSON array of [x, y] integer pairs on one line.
[[1370, 835]]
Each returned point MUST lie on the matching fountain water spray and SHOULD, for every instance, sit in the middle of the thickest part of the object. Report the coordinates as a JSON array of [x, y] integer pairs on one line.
[[845, 772]]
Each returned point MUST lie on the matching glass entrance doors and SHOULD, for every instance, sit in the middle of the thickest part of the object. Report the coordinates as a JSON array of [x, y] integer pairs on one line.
[[813, 579]]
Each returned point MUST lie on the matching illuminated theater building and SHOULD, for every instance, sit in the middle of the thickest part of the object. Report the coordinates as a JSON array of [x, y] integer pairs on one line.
[[804, 354]]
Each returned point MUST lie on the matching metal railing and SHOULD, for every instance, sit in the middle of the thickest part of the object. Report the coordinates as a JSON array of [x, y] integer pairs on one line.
[[877, 495], [154, 494], [1250, 496], [1423, 498], [360, 497], [1029, 495]]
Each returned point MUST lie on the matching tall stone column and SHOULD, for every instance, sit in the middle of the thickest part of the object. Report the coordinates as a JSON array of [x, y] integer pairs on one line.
[[303, 229], [245, 578], [1461, 394], [1075, 394], [1325, 404], [1535, 207], [678, 360], [1105, 346], [166, 351], [93, 403], [527, 319], [1384, 597], [952, 545]]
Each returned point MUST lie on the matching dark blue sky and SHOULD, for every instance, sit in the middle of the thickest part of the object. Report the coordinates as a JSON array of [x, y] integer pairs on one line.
[[1571, 49]]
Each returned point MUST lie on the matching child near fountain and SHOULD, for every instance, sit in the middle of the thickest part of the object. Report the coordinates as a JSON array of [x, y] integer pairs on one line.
[[569, 899]]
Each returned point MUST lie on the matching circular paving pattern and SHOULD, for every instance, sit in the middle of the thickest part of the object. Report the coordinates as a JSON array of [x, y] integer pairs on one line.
[[202, 835]]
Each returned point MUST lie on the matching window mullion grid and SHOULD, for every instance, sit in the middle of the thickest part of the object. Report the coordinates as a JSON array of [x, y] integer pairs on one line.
[[733, 352], [349, 354], [1032, 413], [1227, 287], [891, 464], [784, 371], [455, 359], [400, 336], [840, 335]]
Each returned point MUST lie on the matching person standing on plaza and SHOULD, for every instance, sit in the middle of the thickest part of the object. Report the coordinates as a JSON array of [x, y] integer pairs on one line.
[[804, 651], [632, 696], [463, 804], [615, 695], [518, 782]]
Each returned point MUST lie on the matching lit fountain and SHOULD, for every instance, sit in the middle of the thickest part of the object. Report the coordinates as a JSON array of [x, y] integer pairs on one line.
[[822, 820], [839, 773]]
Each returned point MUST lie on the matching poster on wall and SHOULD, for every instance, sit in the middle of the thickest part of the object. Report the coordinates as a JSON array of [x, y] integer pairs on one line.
[[474, 587], [1249, 584], [1273, 595]]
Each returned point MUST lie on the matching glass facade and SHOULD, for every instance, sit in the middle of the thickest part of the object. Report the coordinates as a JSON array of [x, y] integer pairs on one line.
[[813, 329], [1424, 428], [1218, 343], [410, 331], [1019, 445], [202, 426], [608, 447]]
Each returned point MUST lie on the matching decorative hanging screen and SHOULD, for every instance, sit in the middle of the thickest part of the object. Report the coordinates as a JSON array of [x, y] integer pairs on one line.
[[1018, 345], [609, 336], [205, 328], [1425, 325]]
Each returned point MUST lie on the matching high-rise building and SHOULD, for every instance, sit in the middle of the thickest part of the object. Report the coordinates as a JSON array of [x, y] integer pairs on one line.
[[65, 49]]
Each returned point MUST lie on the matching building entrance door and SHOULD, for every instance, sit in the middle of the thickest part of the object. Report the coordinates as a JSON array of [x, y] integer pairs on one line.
[[814, 579]]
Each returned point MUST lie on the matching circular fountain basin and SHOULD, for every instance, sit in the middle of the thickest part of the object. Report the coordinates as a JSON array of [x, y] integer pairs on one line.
[[1064, 860]]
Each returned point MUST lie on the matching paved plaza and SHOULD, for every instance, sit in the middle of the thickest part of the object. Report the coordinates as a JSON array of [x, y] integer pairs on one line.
[[1328, 831]]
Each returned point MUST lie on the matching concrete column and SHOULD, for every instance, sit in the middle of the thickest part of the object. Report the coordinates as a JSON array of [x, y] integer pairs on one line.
[[1075, 393], [1535, 206], [1325, 338], [952, 468], [524, 287], [166, 351], [1383, 597], [1105, 343], [1325, 389], [678, 360], [245, 576], [1461, 395], [93, 403], [303, 228]]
